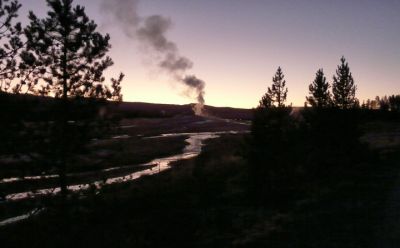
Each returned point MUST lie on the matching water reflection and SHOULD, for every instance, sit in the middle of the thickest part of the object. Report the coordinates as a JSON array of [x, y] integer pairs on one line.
[[195, 142], [20, 217]]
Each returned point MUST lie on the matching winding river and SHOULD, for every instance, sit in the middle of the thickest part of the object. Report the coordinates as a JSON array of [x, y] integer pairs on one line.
[[195, 142]]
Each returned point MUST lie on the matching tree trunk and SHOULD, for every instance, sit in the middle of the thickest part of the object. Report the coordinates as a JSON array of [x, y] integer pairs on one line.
[[62, 153], [64, 123]]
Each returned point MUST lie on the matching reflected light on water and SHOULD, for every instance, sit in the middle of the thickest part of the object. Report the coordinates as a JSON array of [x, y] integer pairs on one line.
[[195, 142]]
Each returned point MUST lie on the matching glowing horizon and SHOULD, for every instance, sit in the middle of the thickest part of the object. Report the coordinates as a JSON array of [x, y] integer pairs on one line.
[[236, 47]]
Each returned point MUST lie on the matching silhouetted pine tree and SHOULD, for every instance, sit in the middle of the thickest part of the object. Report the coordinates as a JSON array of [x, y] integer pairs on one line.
[[266, 101], [65, 58], [394, 102], [277, 93], [10, 42], [67, 52], [343, 87], [319, 91], [272, 132], [12, 113], [383, 102]]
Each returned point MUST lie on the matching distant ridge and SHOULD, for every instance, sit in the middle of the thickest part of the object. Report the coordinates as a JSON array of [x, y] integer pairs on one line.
[[167, 110], [132, 109]]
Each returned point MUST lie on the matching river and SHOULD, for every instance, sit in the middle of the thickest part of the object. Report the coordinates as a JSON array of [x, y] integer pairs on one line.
[[195, 142]]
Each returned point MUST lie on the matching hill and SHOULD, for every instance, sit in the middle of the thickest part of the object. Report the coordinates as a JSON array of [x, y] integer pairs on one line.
[[39, 105], [141, 109]]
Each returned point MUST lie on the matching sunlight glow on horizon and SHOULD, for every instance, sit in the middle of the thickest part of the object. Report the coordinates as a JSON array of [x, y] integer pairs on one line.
[[236, 47]]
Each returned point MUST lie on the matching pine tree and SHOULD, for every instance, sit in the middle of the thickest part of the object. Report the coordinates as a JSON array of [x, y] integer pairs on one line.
[[65, 58], [384, 103], [319, 91], [65, 55], [13, 112], [265, 102], [343, 87], [271, 130], [277, 93], [394, 102], [10, 41]]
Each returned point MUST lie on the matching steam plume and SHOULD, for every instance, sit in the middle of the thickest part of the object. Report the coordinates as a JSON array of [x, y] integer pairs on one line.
[[151, 32]]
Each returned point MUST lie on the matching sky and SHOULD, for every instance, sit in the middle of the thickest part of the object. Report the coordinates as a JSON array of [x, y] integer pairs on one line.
[[236, 47]]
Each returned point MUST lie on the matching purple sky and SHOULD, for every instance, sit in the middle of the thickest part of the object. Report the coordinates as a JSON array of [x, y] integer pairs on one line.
[[237, 45]]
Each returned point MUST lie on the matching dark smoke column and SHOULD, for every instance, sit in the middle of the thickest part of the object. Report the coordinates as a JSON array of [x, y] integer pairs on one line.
[[151, 33]]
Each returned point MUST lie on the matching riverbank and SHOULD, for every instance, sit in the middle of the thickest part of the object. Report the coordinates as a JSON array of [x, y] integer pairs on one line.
[[204, 202], [154, 152], [207, 202], [127, 145], [125, 158], [124, 152], [143, 210]]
